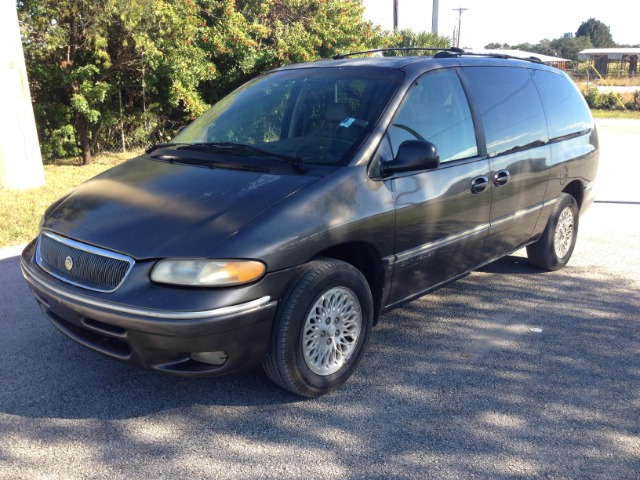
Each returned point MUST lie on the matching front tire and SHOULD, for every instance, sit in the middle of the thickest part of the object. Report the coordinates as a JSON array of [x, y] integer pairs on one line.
[[554, 248], [322, 328]]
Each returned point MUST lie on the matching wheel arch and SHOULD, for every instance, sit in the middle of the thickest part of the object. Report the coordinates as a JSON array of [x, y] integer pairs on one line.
[[367, 260], [576, 191]]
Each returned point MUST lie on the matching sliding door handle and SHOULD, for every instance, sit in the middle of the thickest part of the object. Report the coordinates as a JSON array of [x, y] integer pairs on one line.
[[501, 178], [479, 184]]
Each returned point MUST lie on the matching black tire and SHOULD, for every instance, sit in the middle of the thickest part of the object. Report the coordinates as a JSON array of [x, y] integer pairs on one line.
[[553, 249], [298, 359]]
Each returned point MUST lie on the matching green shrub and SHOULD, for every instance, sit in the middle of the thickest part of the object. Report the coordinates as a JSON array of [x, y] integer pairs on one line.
[[592, 98]]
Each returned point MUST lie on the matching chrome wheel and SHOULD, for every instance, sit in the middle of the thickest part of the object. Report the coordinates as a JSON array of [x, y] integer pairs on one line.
[[563, 238], [331, 331], [553, 249], [323, 326]]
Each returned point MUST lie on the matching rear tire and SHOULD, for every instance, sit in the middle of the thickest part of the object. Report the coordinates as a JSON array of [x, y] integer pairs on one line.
[[554, 248], [322, 328]]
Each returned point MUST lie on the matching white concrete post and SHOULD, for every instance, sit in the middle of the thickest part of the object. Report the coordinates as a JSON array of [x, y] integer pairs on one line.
[[20, 159]]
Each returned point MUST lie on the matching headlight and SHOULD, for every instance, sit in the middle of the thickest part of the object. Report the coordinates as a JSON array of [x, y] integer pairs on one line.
[[207, 273]]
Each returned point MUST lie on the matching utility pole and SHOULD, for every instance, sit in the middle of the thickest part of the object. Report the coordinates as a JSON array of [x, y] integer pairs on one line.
[[395, 15], [434, 17], [457, 35]]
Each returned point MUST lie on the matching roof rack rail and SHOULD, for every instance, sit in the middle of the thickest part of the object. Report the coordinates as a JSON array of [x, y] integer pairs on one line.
[[398, 49], [450, 53], [441, 53]]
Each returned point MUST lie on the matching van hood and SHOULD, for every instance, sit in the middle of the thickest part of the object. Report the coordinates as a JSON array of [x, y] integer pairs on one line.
[[153, 209]]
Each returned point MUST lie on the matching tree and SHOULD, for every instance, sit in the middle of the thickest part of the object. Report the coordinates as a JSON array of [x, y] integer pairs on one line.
[[60, 42], [598, 33], [258, 36], [497, 46], [409, 38], [569, 46], [80, 53], [566, 46]]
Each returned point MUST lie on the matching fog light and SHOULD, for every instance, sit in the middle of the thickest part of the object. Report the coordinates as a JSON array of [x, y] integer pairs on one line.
[[212, 358]]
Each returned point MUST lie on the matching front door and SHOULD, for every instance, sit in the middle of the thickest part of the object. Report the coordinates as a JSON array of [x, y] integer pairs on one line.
[[442, 215]]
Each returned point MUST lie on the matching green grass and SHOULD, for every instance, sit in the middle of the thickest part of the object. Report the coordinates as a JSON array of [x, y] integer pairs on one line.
[[631, 114], [21, 210]]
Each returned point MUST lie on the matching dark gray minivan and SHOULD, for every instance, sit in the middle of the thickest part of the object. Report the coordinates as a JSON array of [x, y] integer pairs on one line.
[[277, 227]]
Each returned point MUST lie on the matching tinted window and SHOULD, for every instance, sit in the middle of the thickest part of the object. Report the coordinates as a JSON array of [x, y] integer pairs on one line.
[[318, 114], [566, 110], [436, 109], [510, 107]]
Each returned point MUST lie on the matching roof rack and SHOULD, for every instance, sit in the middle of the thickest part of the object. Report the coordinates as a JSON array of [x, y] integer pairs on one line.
[[441, 53], [397, 49], [449, 54]]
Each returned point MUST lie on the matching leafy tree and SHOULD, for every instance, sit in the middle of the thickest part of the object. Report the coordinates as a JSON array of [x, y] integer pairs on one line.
[[598, 33], [409, 38], [59, 43], [566, 46], [259, 36], [80, 53], [569, 46], [590, 34], [497, 46]]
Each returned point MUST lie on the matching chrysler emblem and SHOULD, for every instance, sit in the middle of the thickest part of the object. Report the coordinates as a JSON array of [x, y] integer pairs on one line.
[[68, 263]]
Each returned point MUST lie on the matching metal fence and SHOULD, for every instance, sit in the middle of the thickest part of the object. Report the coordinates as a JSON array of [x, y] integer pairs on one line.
[[130, 137]]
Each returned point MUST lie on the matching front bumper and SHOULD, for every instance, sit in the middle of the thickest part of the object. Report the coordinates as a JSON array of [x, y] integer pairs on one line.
[[160, 339]]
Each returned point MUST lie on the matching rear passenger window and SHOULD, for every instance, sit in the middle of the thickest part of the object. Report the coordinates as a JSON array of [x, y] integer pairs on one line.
[[567, 112], [436, 110], [510, 108]]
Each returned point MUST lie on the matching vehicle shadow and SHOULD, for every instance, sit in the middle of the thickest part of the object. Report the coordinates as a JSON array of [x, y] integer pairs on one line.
[[512, 264]]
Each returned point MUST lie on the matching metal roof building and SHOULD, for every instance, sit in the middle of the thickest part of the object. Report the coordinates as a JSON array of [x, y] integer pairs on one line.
[[604, 57]]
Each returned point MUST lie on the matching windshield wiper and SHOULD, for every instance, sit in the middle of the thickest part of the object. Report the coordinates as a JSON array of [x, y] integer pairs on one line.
[[163, 145], [199, 162], [296, 162]]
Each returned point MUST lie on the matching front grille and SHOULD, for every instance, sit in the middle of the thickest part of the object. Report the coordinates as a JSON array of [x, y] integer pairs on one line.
[[80, 264]]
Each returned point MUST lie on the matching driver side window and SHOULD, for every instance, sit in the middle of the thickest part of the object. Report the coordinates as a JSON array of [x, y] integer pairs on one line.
[[436, 110]]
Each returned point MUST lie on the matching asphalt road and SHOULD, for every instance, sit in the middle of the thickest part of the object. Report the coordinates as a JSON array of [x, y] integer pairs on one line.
[[507, 373]]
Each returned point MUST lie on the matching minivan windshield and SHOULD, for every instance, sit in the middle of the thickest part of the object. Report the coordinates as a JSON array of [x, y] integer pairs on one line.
[[317, 115]]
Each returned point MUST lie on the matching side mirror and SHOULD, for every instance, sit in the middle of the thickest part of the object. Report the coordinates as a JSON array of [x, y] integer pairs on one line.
[[413, 155]]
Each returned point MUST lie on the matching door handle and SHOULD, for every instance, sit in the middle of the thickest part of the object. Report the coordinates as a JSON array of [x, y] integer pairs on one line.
[[501, 178], [478, 184]]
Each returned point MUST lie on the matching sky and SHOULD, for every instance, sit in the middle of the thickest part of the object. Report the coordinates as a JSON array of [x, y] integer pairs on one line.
[[510, 21]]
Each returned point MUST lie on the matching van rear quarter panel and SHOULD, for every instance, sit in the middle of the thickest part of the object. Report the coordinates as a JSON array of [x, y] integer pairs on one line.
[[573, 159]]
